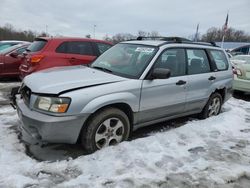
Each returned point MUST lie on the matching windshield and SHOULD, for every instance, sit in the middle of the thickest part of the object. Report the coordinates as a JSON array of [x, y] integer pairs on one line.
[[241, 59], [128, 60]]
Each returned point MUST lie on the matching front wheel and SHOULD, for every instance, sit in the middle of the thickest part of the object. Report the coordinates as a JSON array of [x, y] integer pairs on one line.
[[106, 128], [213, 106]]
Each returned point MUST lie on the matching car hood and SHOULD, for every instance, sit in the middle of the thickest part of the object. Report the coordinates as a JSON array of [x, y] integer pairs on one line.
[[63, 79]]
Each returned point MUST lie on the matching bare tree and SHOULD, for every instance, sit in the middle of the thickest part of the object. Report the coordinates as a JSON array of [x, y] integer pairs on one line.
[[107, 38], [8, 32], [122, 37], [231, 35], [148, 34]]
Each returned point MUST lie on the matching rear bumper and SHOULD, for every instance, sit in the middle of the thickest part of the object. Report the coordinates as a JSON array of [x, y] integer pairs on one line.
[[241, 85], [37, 127]]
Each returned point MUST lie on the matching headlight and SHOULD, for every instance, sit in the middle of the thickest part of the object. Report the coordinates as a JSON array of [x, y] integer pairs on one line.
[[52, 104]]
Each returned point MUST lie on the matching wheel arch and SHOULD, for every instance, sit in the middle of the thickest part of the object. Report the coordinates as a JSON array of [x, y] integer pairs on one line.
[[222, 92], [126, 108]]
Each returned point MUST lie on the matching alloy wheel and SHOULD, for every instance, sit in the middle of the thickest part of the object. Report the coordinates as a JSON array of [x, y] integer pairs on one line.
[[109, 132], [214, 107]]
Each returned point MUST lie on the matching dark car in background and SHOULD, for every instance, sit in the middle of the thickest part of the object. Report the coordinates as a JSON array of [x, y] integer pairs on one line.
[[10, 60], [242, 50], [46, 52], [9, 43]]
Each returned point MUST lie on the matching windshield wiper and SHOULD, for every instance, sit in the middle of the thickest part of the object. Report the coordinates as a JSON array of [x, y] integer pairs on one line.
[[102, 68]]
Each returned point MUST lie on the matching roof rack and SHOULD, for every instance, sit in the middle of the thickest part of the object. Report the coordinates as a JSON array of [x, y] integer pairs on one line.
[[206, 43], [169, 39], [177, 40]]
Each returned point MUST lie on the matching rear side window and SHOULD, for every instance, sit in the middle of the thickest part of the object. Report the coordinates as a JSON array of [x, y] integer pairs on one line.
[[103, 47], [197, 61], [75, 47], [219, 59], [37, 45]]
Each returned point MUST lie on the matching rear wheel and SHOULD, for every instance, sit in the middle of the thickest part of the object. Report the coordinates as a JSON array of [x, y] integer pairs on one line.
[[106, 128], [213, 106]]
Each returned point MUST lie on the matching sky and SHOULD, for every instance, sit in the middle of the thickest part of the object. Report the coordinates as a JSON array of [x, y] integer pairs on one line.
[[95, 17]]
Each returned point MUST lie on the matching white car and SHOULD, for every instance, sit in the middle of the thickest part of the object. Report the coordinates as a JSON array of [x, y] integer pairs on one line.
[[8, 43]]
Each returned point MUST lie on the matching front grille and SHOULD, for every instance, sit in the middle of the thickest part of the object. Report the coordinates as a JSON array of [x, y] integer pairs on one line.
[[25, 93]]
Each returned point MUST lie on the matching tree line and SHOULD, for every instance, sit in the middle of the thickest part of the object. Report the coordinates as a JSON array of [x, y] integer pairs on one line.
[[213, 34], [231, 35], [8, 32]]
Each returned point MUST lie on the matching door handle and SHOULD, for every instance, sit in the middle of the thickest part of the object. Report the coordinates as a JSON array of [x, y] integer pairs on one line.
[[211, 78], [181, 82], [72, 59]]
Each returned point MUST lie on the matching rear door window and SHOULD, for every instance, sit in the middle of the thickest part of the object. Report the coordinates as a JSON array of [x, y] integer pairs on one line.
[[76, 47], [37, 45], [197, 61], [220, 59]]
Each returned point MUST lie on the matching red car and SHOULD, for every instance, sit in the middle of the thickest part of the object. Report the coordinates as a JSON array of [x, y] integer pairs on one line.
[[47, 52], [10, 60]]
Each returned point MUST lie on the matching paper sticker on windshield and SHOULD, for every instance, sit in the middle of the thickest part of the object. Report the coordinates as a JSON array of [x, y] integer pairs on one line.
[[145, 50]]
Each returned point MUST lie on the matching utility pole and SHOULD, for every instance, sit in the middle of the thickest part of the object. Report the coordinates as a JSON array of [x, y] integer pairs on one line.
[[94, 31], [46, 29]]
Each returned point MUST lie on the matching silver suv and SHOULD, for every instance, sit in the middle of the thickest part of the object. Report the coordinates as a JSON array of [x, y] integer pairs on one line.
[[133, 84]]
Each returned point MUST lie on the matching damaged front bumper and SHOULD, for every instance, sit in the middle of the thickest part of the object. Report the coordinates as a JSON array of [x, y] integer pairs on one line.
[[47, 128]]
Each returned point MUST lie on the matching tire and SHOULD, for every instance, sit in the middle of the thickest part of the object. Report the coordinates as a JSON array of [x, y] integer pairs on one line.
[[105, 128], [213, 106]]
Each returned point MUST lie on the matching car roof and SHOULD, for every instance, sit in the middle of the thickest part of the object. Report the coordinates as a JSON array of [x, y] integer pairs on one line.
[[146, 42], [12, 41], [71, 39], [242, 55]]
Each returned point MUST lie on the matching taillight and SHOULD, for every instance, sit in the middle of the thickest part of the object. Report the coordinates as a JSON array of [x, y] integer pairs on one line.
[[36, 58], [237, 72]]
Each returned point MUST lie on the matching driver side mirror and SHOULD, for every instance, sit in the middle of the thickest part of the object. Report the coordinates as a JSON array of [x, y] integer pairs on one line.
[[14, 54], [160, 73]]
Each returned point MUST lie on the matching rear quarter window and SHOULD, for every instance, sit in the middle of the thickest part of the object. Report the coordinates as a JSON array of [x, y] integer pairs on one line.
[[220, 59], [37, 45]]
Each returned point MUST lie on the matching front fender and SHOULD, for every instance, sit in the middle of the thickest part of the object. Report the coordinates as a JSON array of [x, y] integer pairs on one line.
[[123, 97]]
